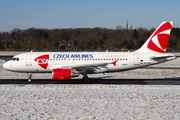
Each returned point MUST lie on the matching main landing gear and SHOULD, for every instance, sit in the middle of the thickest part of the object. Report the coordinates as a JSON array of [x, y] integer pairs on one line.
[[86, 79]]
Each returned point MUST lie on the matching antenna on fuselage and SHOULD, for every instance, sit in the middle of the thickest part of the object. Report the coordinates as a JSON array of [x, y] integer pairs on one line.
[[106, 50], [31, 50]]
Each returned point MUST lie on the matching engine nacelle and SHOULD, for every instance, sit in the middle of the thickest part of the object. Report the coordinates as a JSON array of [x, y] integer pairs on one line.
[[61, 74]]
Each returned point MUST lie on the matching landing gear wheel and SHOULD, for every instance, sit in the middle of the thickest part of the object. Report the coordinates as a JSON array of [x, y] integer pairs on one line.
[[30, 75], [86, 80], [29, 80]]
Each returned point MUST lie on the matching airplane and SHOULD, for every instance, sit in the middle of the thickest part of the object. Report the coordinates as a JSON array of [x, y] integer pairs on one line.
[[65, 65]]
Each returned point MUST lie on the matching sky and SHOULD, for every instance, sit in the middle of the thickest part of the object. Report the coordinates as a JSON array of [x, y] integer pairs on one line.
[[52, 14]]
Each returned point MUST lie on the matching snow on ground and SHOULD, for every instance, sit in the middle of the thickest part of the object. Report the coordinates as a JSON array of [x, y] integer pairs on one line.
[[109, 102], [89, 102]]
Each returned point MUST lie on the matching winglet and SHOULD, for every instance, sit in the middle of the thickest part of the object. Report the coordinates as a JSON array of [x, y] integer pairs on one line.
[[114, 63]]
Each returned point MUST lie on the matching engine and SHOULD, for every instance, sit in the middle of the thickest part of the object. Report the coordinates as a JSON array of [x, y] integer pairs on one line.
[[63, 74]]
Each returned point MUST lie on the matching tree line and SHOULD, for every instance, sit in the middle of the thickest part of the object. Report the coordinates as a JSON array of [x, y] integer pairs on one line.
[[81, 39]]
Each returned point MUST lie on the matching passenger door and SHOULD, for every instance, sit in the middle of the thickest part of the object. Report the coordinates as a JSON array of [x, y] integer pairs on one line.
[[136, 59], [28, 59]]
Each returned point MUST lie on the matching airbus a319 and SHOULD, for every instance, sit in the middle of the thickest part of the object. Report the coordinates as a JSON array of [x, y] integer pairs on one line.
[[65, 65]]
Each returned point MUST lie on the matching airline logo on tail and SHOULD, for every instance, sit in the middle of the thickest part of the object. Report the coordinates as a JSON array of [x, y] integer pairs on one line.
[[42, 61], [159, 40]]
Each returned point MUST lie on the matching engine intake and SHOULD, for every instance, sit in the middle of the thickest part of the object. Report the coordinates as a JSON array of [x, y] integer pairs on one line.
[[61, 74]]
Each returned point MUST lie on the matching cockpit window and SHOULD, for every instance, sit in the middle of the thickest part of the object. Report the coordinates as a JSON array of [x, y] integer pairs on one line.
[[15, 59]]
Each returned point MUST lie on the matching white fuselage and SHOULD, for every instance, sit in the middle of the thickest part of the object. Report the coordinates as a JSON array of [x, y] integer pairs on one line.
[[44, 62]]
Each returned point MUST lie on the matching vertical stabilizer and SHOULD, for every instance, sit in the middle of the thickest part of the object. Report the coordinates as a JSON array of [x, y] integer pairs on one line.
[[157, 42]]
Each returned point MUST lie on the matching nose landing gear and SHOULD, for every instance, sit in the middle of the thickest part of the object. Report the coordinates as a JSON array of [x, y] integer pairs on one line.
[[30, 76]]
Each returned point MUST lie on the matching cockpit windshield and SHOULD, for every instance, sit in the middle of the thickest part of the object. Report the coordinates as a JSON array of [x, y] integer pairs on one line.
[[15, 59]]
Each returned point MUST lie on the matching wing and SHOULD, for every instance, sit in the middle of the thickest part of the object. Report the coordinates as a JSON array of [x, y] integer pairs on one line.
[[89, 68]]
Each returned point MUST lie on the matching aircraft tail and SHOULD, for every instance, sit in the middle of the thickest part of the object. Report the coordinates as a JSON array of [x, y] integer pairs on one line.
[[157, 42]]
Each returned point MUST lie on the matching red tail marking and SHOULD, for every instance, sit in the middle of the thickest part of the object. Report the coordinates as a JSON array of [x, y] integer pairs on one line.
[[154, 47], [162, 38], [42, 61], [114, 63]]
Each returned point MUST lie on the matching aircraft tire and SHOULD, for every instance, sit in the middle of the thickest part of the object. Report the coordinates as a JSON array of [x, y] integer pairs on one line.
[[29, 80], [86, 80]]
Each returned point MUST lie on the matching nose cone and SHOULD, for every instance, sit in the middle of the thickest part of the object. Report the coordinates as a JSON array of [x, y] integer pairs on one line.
[[6, 66]]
